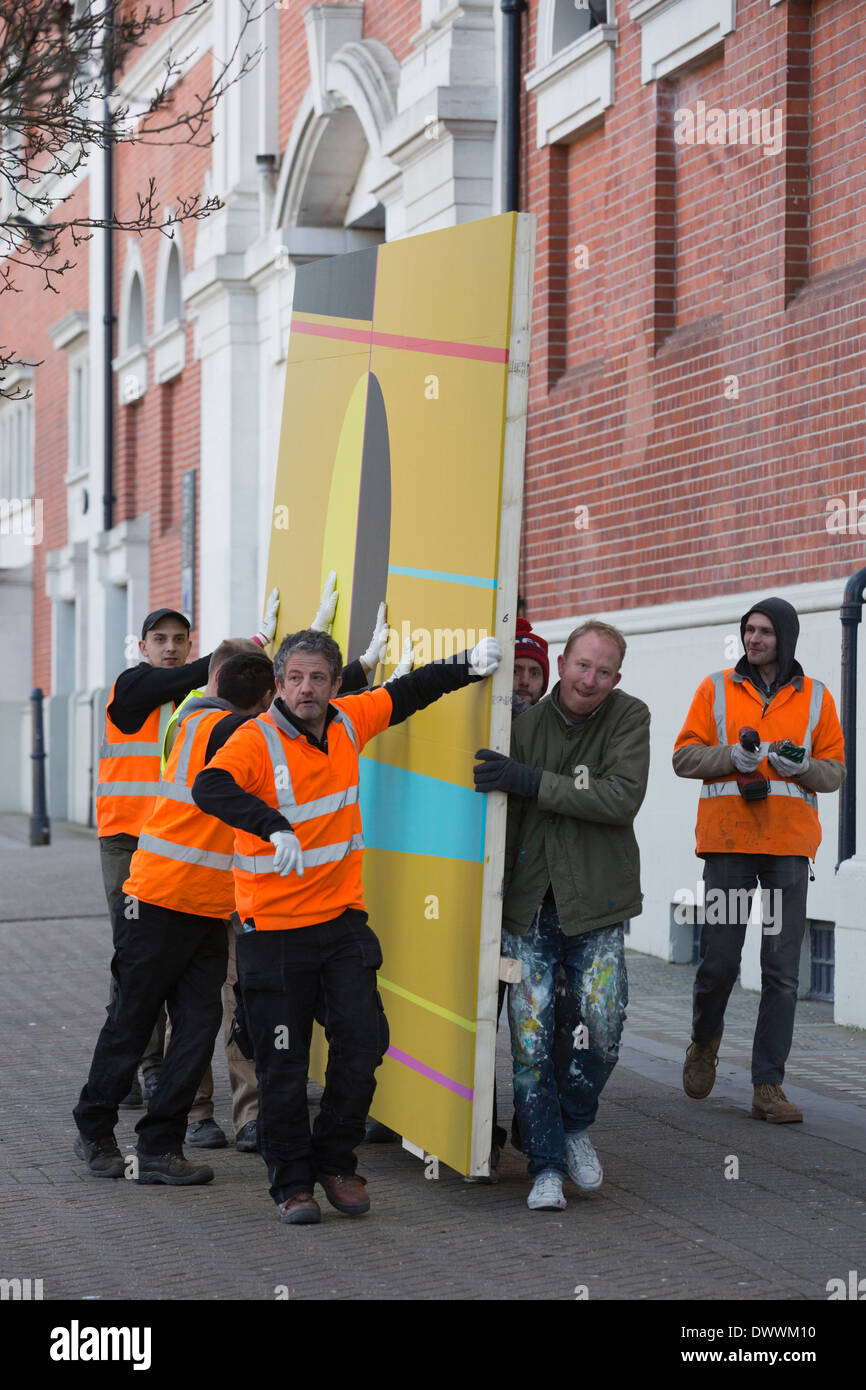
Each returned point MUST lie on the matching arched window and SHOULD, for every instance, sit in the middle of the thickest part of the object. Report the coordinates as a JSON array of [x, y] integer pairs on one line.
[[172, 307], [571, 22], [135, 330]]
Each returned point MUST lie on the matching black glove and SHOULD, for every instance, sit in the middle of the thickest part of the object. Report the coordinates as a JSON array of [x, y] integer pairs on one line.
[[497, 773]]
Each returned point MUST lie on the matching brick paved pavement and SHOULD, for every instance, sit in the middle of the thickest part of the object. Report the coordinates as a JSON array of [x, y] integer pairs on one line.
[[666, 1225]]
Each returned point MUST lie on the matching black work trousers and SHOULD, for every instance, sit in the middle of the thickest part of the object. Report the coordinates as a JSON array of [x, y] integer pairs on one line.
[[115, 854], [787, 878], [283, 978], [159, 955]]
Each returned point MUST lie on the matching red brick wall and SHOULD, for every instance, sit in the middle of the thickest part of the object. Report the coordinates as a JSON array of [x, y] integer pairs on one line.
[[690, 490], [147, 473], [838, 148], [393, 24], [294, 67], [29, 315]]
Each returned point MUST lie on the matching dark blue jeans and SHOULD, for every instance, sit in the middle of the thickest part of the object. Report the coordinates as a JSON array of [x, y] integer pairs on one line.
[[722, 946], [548, 1112]]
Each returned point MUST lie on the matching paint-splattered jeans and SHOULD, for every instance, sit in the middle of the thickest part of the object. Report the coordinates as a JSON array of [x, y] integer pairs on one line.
[[594, 963]]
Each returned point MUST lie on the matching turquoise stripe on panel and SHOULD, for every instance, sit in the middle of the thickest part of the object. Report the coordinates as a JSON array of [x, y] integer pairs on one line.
[[477, 581], [410, 813]]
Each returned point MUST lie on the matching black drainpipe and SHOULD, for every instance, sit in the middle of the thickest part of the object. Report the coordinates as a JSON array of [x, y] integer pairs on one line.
[[851, 614], [108, 318], [511, 11]]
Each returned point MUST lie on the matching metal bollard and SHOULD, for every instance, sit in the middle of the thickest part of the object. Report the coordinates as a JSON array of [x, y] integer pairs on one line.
[[40, 826]]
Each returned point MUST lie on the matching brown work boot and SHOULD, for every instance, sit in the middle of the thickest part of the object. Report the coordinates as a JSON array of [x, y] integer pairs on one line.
[[770, 1103], [699, 1068], [301, 1209], [346, 1192]]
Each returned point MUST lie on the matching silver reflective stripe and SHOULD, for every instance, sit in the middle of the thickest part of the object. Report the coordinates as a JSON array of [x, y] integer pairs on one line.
[[329, 854], [285, 795], [342, 718], [324, 805], [719, 712], [296, 812], [128, 789], [128, 750], [208, 859], [180, 772], [175, 791], [165, 713], [137, 750], [776, 789], [814, 713], [325, 854]]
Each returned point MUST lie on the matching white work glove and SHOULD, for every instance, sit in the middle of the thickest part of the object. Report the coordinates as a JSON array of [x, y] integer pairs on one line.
[[266, 632], [378, 643], [743, 759], [289, 856], [325, 614], [485, 657], [406, 662], [786, 767]]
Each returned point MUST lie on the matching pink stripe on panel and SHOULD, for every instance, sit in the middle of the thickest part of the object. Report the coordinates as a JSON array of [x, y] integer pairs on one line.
[[438, 346], [415, 1065]]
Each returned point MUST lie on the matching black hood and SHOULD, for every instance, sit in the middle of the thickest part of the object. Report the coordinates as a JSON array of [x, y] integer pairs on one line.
[[786, 626]]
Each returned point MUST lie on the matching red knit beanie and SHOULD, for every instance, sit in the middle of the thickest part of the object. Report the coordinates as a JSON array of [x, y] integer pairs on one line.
[[531, 646]]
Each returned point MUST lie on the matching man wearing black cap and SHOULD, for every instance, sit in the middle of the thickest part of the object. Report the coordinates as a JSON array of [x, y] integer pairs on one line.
[[757, 822], [140, 705]]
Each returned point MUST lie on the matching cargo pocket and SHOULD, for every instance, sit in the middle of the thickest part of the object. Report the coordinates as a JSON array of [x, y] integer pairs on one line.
[[371, 951], [239, 1034]]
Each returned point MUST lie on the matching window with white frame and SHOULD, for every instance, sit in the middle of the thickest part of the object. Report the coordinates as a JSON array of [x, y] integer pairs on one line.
[[173, 300], [79, 415], [135, 329], [571, 20], [16, 449], [573, 77]]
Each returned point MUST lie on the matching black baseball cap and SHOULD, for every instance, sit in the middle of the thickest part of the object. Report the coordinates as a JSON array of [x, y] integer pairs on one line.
[[156, 617]]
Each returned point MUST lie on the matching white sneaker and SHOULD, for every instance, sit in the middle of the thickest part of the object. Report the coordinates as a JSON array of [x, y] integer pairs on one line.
[[546, 1194], [584, 1168]]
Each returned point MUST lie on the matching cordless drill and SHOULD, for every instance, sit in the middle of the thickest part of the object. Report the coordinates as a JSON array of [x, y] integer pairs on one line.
[[753, 785]]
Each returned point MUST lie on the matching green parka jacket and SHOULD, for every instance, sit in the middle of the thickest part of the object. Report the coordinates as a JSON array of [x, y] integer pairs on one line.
[[577, 833]]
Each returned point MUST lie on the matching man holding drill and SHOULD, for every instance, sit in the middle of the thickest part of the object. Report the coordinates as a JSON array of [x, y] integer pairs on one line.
[[764, 738]]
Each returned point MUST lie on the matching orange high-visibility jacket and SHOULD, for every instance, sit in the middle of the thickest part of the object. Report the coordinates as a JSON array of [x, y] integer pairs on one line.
[[787, 821], [184, 856], [317, 792], [129, 772]]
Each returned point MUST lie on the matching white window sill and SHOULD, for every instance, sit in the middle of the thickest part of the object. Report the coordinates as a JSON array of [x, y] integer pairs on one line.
[[130, 368], [675, 32], [575, 87], [169, 351]]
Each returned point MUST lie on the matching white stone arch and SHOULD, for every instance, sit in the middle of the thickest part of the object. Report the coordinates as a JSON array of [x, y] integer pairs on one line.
[[132, 284], [337, 133], [169, 258]]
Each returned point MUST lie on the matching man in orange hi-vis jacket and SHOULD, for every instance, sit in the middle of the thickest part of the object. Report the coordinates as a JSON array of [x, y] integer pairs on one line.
[[171, 944], [288, 783], [757, 822]]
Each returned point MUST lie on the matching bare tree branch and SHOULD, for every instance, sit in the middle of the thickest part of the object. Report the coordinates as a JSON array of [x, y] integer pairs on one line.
[[54, 55]]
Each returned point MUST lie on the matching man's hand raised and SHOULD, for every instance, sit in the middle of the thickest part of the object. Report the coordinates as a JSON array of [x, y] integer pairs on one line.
[[266, 632], [485, 657]]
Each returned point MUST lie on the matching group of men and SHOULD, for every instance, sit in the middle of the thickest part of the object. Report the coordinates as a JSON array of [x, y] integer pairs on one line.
[[242, 864]]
